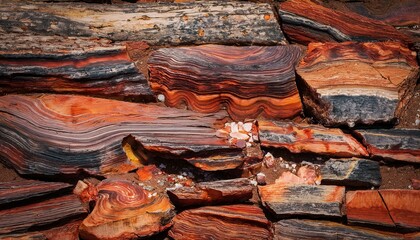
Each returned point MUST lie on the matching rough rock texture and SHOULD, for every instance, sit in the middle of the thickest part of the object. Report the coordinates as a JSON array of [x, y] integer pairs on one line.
[[306, 21], [42, 213], [301, 199], [222, 222], [248, 81], [298, 138], [316, 229], [79, 65], [392, 144], [354, 172], [124, 210], [350, 83], [210, 193], [367, 207], [158, 24], [52, 134], [26, 189]]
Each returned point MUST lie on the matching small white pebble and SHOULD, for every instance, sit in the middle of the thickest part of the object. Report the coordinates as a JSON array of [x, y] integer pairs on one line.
[[247, 126], [294, 165], [162, 165], [253, 182], [417, 122], [154, 194], [372, 188], [234, 127], [261, 179], [318, 182], [161, 98], [248, 144]]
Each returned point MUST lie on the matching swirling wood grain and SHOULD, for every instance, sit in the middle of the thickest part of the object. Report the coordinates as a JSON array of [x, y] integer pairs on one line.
[[247, 81]]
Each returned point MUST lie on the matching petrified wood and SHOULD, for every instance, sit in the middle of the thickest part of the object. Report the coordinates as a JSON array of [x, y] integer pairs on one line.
[[158, 24], [353, 172], [79, 65], [26, 189], [52, 134], [306, 21], [349, 83], [403, 206], [210, 193], [222, 222], [40, 214], [247, 81], [299, 138], [316, 229], [392, 144], [367, 207], [124, 210], [301, 199]]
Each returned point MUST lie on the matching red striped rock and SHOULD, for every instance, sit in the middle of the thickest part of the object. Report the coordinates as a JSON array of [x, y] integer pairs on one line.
[[247, 81], [39, 214], [26, 189], [62, 134], [403, 207], [124, 210], [367, 207], [210, 193], [298, 138], [301, 199], [306, 21], [350, 83], [79, 65], [222, 222], [392, 144]]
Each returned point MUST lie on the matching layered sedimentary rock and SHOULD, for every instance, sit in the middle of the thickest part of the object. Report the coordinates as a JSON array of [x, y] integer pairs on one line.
[[301, 199], [316, 229], [222, 222], [124, 210], [247, 81], [69, 65], [158, 24], [392, 144], [209, 193], [53, 134], [39, 214], [367, 207], [306, 21], [403, 207], [350, 83], [354, 172], [26, 189], [299, 138]]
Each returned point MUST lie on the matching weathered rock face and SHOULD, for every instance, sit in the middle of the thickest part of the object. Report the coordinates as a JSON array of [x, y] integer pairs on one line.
[[353, 172], [176, 24], [299, 138], [248, 81], [125, 211], [222, 222], [79, 65], [306, 21], [53, 134], [301, 199], [392, 144], [350, 83]]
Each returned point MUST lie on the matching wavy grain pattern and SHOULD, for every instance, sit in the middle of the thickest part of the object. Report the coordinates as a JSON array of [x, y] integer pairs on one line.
[[124, 210], [222, 222], [53, 134], [247, 81]]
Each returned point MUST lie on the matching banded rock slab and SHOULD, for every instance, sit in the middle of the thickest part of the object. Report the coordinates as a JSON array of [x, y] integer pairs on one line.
[[227, 22], [65, 134], [306, 21], [357, 83], [222, 222], [88, 66], [300, 138], [247, 81], [124, 210]]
